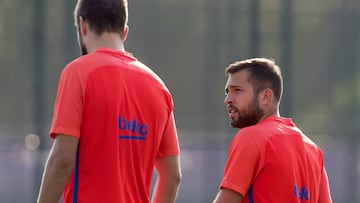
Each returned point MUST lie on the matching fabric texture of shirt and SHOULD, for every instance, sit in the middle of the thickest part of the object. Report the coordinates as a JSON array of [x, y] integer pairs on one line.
[[274, 162], [122, 114]]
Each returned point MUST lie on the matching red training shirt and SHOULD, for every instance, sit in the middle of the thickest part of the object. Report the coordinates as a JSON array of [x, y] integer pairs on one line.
[[122, 114], [274, 162]]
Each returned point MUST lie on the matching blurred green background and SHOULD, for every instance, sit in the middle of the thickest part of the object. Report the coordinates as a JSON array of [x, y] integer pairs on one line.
[[189, 43]]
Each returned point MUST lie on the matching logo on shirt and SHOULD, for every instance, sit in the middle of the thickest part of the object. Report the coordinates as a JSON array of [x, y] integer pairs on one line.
[[301, 193], [132, 129]]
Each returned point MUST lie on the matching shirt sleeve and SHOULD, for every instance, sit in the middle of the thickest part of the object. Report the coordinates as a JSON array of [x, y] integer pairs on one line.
[[243, 163], [324, 193], [68, 108], [169, 145]]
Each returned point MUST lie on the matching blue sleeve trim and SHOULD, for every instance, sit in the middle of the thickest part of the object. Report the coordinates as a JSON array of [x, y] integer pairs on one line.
[[251, 195], [76, 177]]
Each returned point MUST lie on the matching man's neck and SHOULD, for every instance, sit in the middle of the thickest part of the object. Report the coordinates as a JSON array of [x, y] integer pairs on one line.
[[273, 112], [106, 40]]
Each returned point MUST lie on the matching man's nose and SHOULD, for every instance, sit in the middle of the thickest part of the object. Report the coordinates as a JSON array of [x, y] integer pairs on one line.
[[228, 99]]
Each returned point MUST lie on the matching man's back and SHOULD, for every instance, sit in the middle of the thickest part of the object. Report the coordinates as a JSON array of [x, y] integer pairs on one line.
[[286, 166], [293, 164], [126, 111]]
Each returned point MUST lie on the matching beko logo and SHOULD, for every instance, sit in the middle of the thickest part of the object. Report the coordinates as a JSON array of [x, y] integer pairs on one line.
[[132, 129]]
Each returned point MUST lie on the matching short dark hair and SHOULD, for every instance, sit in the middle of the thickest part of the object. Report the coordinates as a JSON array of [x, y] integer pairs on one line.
[[263, 73], [102, 15]]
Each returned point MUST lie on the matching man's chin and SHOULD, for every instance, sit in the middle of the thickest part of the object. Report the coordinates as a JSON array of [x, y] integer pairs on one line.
[[240, 125], [235, 124]]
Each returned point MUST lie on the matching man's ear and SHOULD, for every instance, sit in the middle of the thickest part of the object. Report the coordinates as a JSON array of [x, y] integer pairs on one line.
[[266, 97], [83, 26], [125, 33]]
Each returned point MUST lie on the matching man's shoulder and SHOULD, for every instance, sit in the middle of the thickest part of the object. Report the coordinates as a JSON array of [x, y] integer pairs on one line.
[[251, 134], [252, 130], [86, 63], [259, 133], [82, 61], [144, 69], [76, 64]]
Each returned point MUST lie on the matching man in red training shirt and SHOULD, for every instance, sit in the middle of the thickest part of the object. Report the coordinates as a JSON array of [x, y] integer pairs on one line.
[[113, 120], [270, 160]]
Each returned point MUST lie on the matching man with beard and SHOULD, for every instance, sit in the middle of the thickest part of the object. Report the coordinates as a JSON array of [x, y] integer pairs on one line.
[[270, 160], [113, 120]]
